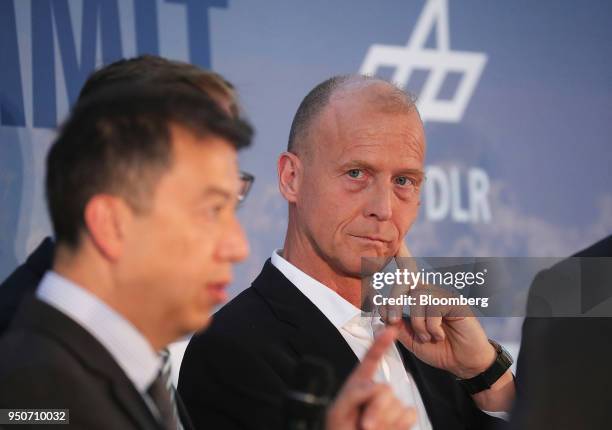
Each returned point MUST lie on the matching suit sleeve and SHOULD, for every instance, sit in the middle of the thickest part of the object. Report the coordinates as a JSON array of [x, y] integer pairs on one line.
[[22, 282], [563, 370]]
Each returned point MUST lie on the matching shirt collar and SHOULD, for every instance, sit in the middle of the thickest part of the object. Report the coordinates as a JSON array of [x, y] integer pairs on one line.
[[124, 342], [338, 310]]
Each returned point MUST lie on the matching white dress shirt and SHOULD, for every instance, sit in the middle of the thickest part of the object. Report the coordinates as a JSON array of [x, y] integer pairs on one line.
[[128, 347], [358, 331]]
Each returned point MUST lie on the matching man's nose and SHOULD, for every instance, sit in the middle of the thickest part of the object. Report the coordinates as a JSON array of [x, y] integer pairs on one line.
[[380, 202], [233, 245]]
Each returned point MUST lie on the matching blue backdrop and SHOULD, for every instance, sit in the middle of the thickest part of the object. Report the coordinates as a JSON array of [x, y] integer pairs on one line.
[[517, 99]]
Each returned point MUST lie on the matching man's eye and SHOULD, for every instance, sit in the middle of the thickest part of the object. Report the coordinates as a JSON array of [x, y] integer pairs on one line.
[[403, 181], [355, 173]]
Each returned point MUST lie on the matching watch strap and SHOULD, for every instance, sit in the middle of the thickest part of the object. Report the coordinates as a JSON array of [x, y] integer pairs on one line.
[[484, 380]]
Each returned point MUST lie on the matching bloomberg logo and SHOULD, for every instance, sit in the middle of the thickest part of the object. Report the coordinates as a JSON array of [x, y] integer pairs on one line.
[[443, 196], [57, 46]]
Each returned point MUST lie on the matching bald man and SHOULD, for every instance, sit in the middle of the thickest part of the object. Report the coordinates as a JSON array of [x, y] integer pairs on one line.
[[351, 176]]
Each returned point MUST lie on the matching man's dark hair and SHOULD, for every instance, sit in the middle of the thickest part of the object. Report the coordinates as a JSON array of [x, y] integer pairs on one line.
[[158, 70], [394, 100], [119, 142]]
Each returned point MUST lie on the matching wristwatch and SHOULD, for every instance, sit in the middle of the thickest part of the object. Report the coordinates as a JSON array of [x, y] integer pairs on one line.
[[483, 381]]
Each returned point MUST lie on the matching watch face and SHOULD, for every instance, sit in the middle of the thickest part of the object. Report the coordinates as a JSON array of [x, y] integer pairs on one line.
[[497, 346], [503, 356], [507, 356]]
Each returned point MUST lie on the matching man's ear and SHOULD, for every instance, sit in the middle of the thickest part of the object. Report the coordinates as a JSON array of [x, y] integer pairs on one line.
[[106, 220], [289, 175]]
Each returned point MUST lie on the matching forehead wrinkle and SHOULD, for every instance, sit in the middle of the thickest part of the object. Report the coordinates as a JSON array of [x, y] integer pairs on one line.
[[372, 139], [370, 156], [334, 125]]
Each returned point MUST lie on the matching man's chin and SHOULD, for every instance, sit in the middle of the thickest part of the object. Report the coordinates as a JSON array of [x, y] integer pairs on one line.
[[373, 251], [365, 265], [200, 322], [370, 264]]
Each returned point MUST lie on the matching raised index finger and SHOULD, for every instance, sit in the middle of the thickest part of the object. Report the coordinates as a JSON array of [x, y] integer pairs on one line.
[[369, 363]]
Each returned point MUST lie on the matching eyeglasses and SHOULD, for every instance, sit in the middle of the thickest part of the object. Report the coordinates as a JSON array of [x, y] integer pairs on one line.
[[246, 182]]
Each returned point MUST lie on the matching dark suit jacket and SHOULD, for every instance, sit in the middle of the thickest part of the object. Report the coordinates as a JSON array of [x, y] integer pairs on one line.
[[235, 373], [50, 361], [23, 281], [564, 371]]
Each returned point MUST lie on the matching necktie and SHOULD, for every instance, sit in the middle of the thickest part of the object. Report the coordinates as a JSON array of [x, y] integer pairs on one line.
[[163, 394]]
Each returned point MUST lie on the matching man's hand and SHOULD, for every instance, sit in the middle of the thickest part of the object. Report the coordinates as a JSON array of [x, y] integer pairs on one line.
[[451, 338], [446, 337], [364, 404]]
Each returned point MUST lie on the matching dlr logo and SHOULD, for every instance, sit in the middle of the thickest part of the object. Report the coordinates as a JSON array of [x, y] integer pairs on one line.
[[462, 198]]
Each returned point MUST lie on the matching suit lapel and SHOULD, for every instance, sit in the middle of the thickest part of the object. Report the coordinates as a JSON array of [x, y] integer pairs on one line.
[[309, 332], [38, 316]]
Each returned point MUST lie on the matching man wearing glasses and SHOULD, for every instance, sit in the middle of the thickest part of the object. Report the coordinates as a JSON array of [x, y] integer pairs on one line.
[[142, 188], [144, 69]]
